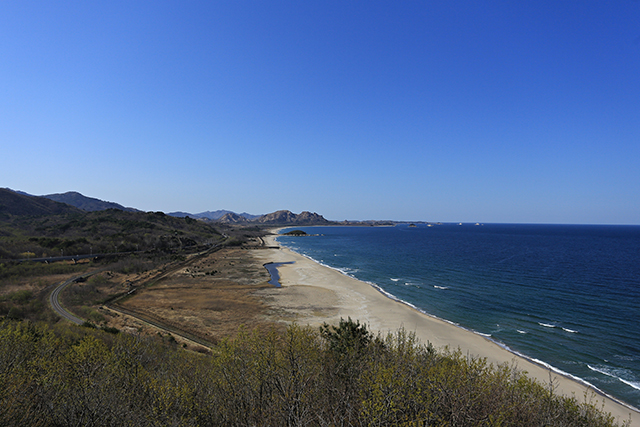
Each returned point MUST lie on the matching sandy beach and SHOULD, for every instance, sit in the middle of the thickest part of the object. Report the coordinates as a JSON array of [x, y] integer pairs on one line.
[[313, 294]]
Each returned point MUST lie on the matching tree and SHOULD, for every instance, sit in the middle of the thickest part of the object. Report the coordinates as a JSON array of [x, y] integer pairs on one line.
[[348, 337]]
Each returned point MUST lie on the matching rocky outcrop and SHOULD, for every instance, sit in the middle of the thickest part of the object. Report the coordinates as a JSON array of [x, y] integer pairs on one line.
[[233, 218], [287, 217]]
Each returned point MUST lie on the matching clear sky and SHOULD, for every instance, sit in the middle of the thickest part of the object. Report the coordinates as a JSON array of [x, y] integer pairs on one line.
[[489, 111]]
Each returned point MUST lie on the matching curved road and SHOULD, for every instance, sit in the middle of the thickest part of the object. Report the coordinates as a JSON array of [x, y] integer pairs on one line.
[[55, 303], [58, 308]]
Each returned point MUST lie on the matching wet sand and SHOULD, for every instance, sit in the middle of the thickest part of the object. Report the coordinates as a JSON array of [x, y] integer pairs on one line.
[[313, 294]]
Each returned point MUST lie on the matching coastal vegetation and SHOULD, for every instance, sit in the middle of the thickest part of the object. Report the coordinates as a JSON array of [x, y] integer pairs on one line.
[[261, 374], [337, 376]]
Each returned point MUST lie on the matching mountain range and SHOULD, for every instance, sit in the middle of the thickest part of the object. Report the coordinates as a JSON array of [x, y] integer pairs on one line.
[[212, 215], [19, 203]]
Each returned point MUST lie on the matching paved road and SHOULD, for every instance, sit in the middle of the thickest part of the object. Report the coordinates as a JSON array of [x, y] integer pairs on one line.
[[55, 302], [58, 308], [55, 294]]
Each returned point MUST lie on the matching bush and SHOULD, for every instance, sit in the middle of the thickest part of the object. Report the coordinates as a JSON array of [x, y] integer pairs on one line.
[[347, 337], [15, 313], [91, 314], [67, 375], [21, 297]]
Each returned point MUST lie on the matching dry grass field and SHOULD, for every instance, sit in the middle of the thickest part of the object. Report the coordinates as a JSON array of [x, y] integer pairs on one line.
[[209, 298]]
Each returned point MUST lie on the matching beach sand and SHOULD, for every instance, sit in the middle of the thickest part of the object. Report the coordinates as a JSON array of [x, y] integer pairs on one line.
[[313, 294]]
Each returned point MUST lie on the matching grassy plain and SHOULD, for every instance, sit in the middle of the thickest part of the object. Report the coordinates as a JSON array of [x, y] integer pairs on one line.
[[210, 297]]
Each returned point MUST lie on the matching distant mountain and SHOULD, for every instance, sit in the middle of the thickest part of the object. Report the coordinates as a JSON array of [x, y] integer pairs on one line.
[[212, 215], [249, 216], [87, 204], [233, 218], [181, 214], [19, 204], [285, 217]]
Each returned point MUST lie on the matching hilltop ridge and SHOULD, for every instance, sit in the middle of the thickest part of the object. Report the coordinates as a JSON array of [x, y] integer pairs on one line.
[[13, 203], [88, 204], [24, 204], [288, 217], [212, 215]]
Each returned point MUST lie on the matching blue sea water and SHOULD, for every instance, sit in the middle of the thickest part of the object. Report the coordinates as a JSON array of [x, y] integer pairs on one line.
[[567, 296]]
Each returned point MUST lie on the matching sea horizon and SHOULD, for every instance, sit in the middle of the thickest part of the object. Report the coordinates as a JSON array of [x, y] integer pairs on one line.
[[518, 285]]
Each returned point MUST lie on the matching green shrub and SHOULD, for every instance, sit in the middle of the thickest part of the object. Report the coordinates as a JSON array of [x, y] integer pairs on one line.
[[68, 375], [347, 337], [91, 314], [21, 297]]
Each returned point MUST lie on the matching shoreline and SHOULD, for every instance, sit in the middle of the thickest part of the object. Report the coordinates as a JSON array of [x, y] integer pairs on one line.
[[313, 293]]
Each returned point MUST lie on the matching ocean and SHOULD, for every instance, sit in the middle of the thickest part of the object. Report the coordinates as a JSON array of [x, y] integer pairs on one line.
[[566, 296]]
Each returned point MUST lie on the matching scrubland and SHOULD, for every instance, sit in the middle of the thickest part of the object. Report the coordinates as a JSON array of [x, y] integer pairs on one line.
[[333, 376]]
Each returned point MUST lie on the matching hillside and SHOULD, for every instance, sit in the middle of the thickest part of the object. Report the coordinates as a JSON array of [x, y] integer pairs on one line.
[[14, 204], [33, 226], [85, 203], [233, 218], [104, 231], [21, 203]]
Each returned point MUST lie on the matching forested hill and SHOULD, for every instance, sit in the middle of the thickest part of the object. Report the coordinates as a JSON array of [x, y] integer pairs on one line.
[[85, 203], [34, 227], [15, 204]]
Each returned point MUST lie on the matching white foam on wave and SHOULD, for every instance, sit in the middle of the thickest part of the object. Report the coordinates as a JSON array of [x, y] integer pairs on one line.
[[521, 331], [633, 384], [571, 331], [566, 374], [560, 371], [440, 287], [374, 285], [393, 280], [484, 335], [602, 371], [610, 373], [347, 271], [499, 343], [415, 285]]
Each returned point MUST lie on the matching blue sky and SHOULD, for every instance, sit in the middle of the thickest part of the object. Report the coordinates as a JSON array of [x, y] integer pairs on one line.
[[489, 111]]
